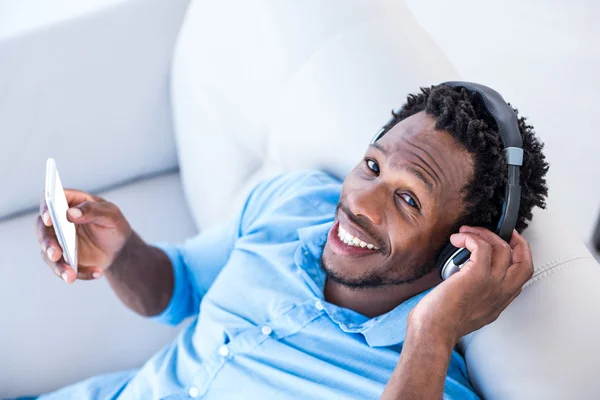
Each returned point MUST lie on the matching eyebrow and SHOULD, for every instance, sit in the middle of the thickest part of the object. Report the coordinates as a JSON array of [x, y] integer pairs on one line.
[[421, 177], [409, 168]]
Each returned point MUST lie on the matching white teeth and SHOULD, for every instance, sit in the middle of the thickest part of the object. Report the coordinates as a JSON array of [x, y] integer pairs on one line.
[[353, 241]]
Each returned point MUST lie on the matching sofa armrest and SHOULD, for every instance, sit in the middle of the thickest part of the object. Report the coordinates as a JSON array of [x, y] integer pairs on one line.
[[86, 84]]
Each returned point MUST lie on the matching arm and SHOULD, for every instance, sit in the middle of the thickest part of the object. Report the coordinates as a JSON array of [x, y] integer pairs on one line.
[[467, 301], [163, 281], [142, 277], [421, 370]]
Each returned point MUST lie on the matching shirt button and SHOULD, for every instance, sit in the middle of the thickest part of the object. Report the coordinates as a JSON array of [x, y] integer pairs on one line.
[[266, 330], [194, 392], [224, 351], [319, 305]]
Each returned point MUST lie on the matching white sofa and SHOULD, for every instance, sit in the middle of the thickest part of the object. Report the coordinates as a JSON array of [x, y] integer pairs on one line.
[[180, 127]]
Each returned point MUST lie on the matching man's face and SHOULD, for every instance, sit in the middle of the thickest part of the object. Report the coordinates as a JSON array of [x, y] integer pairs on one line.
[[402, 200]]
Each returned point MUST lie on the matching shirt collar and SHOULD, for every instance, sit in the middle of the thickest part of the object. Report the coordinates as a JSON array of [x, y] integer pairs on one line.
[[385, 330], [390, 328], [308, 257]]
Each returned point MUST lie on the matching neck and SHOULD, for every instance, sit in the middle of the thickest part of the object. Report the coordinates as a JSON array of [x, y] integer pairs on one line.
[[372, 302]]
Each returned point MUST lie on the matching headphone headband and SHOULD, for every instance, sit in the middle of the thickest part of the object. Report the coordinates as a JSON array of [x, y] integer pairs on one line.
[[505, 117]]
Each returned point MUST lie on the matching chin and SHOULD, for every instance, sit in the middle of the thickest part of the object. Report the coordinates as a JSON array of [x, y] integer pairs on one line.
[[349, 274], [337, 269], [360, 275]]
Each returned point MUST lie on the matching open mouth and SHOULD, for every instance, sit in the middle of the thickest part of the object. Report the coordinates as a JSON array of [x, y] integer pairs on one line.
[[343, 243], [350, 240]]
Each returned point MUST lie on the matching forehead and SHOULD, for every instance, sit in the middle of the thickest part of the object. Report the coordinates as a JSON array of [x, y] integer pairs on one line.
[[415, 141]]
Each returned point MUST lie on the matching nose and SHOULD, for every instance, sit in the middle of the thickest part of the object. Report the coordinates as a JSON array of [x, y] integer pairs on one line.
[[368, 202]]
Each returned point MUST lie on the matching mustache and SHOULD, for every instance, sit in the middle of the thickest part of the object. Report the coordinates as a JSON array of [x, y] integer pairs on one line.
[[363, 223]]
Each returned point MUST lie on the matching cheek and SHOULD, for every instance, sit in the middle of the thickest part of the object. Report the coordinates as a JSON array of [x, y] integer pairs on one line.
[[410, 241], [404, 237]]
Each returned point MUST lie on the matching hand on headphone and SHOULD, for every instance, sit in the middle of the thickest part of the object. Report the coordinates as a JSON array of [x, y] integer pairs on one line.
[[484, 287]]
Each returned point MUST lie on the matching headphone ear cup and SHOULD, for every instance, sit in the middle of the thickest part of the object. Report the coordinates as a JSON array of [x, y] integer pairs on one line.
[[445, 254]]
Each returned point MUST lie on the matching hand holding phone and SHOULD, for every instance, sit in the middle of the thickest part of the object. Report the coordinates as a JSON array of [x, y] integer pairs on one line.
[[80, 234]]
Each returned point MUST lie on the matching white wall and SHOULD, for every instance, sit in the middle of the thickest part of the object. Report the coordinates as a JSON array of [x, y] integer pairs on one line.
[[544, 58]]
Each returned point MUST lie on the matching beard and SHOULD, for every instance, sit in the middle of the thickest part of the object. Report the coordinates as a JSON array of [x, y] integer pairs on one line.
[[390, 276]]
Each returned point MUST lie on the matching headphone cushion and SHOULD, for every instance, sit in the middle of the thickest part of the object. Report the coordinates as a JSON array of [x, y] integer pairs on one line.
[[445, 254]]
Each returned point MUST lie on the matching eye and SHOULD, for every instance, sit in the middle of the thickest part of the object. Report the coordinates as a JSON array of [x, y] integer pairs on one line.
[[372, 165], [408, 198]]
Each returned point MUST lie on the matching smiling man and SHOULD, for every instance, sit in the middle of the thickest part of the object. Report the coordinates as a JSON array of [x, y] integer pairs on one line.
[[323, 290]]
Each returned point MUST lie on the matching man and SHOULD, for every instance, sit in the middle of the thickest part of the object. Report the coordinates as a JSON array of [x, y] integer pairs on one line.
[[322, 290]]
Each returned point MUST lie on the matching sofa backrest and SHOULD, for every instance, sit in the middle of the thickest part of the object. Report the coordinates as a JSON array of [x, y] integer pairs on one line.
[[89, 91], [266, 86], [283, 86]]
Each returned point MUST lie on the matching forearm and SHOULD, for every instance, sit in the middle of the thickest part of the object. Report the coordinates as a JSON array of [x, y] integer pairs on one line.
[[422, 368], [142, 277]]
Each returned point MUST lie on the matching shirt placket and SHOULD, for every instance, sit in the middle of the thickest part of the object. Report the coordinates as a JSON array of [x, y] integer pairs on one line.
[[289, 323]]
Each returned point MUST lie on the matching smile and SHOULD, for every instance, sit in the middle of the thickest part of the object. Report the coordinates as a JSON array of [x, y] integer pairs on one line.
[[350, 240]]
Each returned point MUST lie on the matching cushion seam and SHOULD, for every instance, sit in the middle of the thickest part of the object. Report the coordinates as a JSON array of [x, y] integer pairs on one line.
[[553, 269], [561, 260]]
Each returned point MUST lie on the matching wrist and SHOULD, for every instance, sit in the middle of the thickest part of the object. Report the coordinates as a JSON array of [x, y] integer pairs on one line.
[[423, 363], [436, 335], [133, 245]]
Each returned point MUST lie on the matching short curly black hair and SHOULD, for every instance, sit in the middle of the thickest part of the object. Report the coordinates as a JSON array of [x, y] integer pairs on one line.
[[463, 114]]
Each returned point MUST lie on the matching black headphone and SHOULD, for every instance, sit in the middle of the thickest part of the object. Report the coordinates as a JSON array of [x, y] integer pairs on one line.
[[451, 259]]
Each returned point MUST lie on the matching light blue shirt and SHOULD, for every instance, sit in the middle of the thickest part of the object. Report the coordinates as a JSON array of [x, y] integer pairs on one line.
[[261, 327]]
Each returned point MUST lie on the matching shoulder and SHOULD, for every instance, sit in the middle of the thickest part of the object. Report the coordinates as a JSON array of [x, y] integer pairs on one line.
[[297, 193], [306, 183]]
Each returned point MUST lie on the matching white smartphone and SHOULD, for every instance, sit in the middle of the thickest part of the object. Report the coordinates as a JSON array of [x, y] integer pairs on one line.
[[57, 208]]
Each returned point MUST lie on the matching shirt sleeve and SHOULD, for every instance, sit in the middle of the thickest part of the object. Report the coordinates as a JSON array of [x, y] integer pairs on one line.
[[458, 385], [199, 260], [196, 264]]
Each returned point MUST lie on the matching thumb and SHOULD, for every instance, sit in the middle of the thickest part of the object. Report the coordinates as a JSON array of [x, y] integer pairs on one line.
[[101, 213], [89, 273]]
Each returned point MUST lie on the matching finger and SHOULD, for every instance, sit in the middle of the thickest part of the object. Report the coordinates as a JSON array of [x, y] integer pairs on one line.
[[89, 273], [518, 275], [481, 251], [521, 269], [44, 214], [487, 235], [60, 269], [75, 197], [47, 240], [501, 250], [102, 213], [520, 246]]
